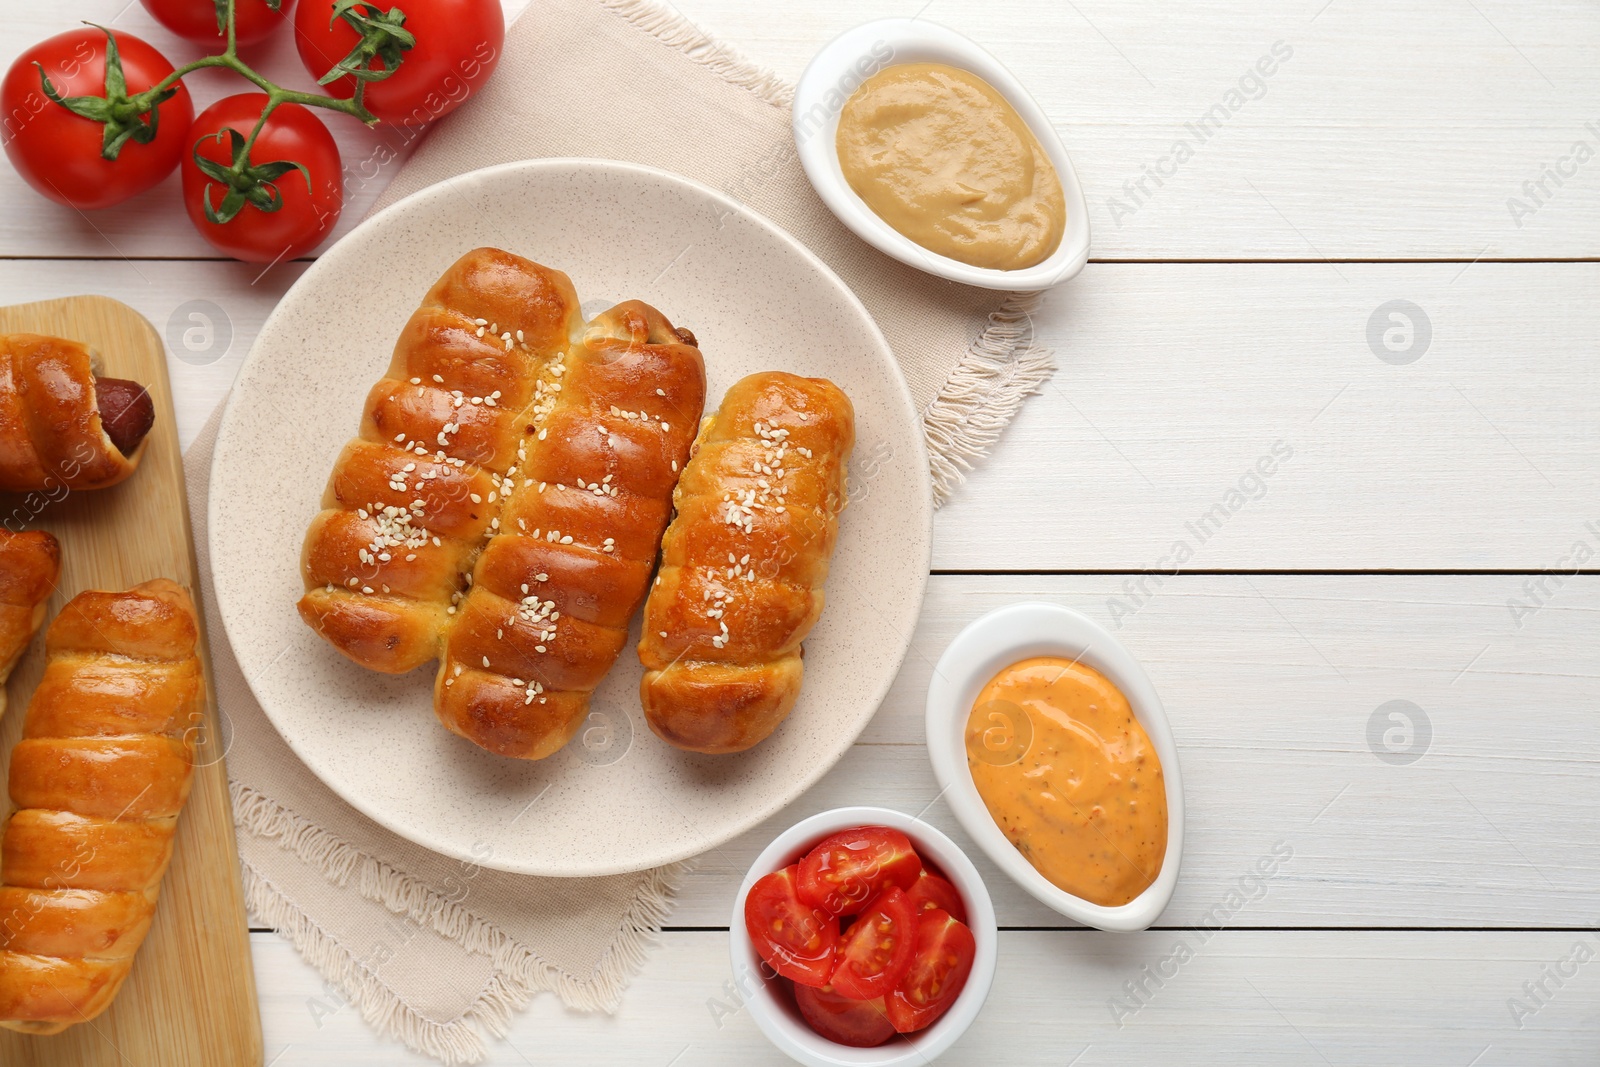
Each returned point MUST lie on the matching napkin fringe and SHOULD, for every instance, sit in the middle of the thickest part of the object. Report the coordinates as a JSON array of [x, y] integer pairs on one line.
[[520, 973], [1003, 367], [456, 1042], [675, 31]]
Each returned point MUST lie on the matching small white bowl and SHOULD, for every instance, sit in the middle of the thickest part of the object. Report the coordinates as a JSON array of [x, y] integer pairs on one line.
[[840, 68], [982, 650], [772, 1009]]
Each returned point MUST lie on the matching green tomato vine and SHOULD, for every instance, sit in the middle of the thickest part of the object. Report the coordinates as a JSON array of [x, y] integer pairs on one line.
[[136, 116]]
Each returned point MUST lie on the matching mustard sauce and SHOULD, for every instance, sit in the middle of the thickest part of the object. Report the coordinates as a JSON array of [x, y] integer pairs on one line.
[[1070, 777], [941, 156]]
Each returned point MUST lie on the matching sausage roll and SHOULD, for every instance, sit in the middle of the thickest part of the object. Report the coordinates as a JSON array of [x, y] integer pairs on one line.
[[743, 563], [413, 497], [551, 595], [30, 563], [101, 772], [61, 424]]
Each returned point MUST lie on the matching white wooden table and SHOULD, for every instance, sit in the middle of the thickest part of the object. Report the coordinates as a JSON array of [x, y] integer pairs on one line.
[[1442, 900]]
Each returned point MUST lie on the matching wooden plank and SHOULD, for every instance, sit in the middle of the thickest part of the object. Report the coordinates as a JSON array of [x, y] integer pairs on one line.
[[1255, 389], [1271, 684], [112, 539], [1363, 145], [1244, 997], [1188, 374]]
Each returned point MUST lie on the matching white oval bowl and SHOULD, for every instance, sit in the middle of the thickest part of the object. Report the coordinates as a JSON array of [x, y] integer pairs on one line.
[[979, 652], [843, 64], [781, 1021]]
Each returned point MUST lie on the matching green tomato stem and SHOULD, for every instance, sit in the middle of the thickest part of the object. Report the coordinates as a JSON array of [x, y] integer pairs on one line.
[[355, 107]]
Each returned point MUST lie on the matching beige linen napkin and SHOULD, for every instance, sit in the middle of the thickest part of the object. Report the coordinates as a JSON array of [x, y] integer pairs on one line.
[[630, 80], [432, 951], [428, 949]]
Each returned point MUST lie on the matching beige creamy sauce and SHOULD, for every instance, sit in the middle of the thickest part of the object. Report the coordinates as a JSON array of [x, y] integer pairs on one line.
[[943, 158]]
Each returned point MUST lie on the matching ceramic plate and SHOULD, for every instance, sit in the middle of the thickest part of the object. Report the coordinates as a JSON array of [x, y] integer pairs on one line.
[[616, 799]]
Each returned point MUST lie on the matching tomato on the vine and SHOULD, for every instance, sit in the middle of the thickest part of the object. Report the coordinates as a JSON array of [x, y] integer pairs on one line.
[[200, 20], [278, 204], [439, 53], [60, 148]]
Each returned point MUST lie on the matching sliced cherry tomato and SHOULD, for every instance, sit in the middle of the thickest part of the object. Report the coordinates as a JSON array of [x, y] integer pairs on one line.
[[938, 971], [441, 53], [848, 869], [797, 939], [932, 893], [196, 20], [307, 201], [877, 952], [61, 153], [857, 1023]]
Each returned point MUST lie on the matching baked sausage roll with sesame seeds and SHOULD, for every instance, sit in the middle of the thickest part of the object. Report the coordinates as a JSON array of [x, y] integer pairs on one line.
[[413, 497], [550, 598], [743, 563]]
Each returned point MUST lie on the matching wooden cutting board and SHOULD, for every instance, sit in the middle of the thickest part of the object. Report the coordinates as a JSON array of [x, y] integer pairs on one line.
[[191, 999]]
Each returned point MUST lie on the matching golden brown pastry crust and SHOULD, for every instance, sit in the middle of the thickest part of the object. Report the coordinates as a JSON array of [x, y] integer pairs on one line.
[[411, 499], [552, 593], [743, 563], [99, 777], [51, 435], [30, 563]]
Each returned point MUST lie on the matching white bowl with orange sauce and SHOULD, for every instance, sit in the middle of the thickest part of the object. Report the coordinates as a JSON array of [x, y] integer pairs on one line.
[[841, 67], [988, 646]]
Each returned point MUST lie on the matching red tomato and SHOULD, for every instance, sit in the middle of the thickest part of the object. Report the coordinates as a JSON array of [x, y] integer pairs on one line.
[[796, 939], [857, 1023], [196, 20], [938, 971], [874, 955], [458, 44], [307, 214], [58, 152], [932, 893], [846, 870]]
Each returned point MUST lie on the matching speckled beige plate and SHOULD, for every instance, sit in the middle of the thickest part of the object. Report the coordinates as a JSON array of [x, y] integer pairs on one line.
[[617, 798]]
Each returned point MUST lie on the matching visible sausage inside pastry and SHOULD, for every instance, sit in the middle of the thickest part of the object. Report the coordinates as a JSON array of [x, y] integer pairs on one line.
[[63, 424]]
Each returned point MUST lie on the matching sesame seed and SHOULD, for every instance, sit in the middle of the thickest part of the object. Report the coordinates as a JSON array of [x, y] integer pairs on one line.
[[416, 381], [485, 661], [438, 379]]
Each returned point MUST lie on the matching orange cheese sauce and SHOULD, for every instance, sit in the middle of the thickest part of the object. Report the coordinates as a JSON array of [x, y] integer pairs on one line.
[[1070, 777]]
